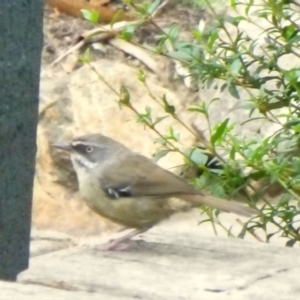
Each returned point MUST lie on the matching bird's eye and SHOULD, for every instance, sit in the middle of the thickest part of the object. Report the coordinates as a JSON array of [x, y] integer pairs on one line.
[[88, 149]]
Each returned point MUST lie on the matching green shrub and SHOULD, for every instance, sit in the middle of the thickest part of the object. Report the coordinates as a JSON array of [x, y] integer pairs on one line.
[[225, 57]]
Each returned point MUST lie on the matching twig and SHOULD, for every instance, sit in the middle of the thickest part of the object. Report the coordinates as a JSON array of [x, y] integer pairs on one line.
[[103, 33], [69, 51], [106, 31], [137, 52], [92, 36]]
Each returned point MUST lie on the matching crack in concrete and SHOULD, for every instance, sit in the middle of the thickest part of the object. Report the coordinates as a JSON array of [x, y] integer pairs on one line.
[[266, 276]]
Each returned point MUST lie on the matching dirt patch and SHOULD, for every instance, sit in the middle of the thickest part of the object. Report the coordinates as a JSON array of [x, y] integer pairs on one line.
[[62, 31]]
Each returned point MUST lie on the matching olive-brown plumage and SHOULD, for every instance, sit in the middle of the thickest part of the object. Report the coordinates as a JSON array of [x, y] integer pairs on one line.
[[129, 188]]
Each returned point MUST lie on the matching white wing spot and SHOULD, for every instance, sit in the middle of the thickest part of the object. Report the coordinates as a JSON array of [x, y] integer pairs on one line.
[[113, 193]]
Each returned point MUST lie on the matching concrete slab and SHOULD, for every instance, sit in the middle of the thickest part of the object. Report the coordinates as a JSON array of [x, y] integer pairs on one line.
[[173, 266], [18, 291]]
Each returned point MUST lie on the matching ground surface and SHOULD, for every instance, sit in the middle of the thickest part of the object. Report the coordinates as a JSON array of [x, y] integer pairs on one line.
[[163, 265]]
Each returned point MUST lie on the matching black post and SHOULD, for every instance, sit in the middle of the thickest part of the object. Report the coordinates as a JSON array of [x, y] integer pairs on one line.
[[20, 54]]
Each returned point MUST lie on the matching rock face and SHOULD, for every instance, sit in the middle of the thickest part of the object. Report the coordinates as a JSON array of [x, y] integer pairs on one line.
[[78, 104]]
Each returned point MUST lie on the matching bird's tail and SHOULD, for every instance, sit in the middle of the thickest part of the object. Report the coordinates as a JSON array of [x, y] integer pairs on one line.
[[228, 206]]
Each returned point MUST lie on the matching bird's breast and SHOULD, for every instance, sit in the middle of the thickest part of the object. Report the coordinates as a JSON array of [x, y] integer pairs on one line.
[[129, 211]]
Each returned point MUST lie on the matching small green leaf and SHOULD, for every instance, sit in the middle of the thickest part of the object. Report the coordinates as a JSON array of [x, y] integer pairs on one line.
[[232, 153], [117, 17], [198, 157], [288, 32], [146, 117], [159, 119], [219, 132], [197, 34], [209, 82], [214, 35], [243, 232], [248, 7], [86, 56], [257, 175], [216, 171], [253, 119], [142, 76], [180, 55], [235, 67], [204, 221], [153, 6], [223, 87], [244, 105], [172, 135], [170, 109], [172, 32], [233, 91], [230, 19], [160, 154], [233, 4], [91, 16], [127, 33], [161, 141], [199, 108], [292, 122], [263, 15], [124, 96]]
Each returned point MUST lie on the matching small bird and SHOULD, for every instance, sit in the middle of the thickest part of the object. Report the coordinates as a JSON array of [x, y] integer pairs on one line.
[[130, 189]]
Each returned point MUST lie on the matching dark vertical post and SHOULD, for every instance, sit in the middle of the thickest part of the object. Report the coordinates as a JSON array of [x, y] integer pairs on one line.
[[20, 54]]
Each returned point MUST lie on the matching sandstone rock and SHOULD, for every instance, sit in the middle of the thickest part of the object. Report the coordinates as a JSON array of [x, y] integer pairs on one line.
[[78, 104]]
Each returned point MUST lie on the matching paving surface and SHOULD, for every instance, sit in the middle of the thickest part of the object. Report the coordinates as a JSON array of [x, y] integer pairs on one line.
[[168, 262]]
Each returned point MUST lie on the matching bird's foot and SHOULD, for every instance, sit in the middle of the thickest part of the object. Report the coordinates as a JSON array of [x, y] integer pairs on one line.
[[113, 245], [120, 244]]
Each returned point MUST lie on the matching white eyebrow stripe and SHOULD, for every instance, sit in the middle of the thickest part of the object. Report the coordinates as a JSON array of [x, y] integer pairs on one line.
[[76, 143]]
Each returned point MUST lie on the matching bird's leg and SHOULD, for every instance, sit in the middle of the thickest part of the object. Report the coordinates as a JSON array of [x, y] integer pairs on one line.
[[122, 242]]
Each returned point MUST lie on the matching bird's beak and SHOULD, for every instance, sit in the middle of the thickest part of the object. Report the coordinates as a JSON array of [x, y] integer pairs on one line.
[[62, 147]]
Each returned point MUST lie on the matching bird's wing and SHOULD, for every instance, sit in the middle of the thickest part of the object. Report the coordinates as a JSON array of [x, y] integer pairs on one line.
[[139, 176]]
